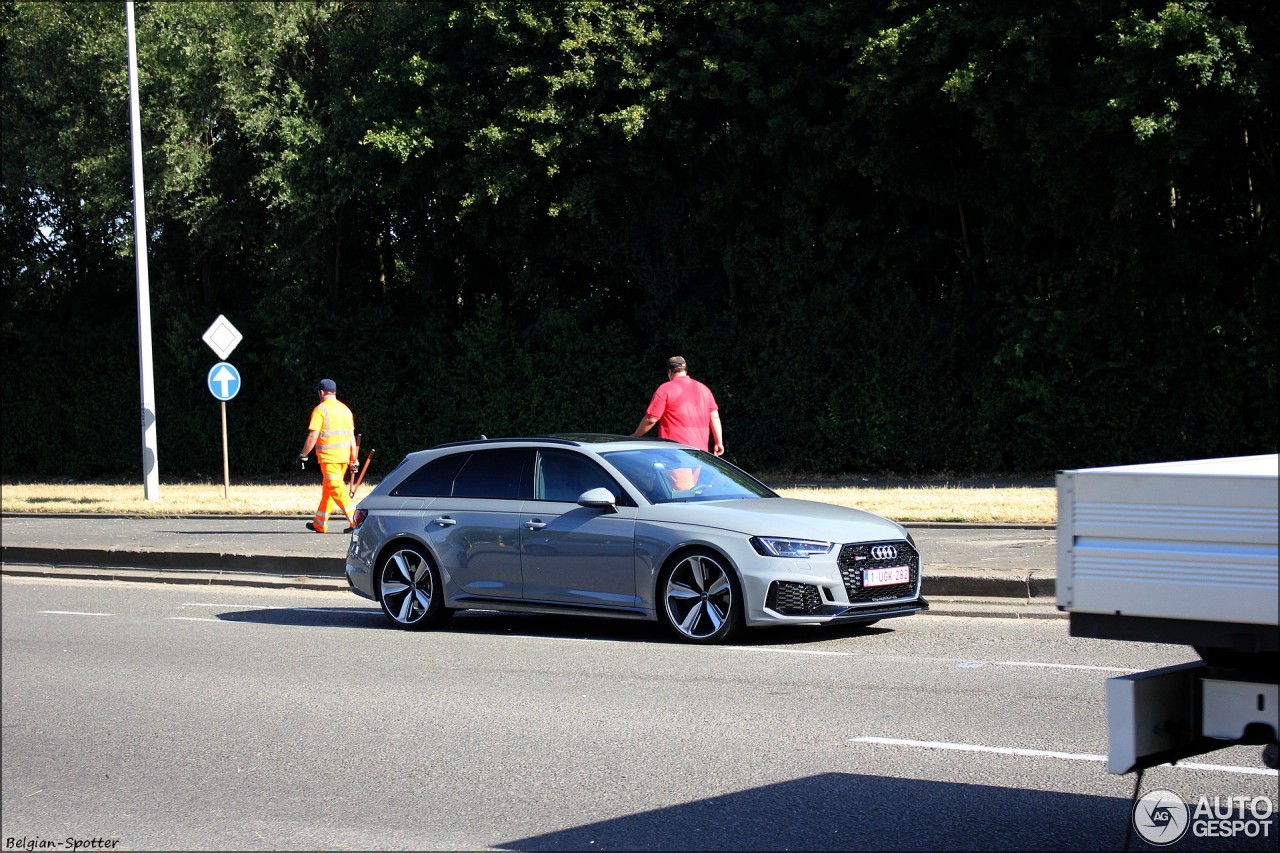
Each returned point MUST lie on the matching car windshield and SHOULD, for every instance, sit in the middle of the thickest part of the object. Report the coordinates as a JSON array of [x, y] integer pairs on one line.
[[666, 474]]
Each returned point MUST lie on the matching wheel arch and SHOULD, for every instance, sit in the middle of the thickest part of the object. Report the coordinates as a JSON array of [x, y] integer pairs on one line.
[[681, 551], [730, 603], [391, 545]]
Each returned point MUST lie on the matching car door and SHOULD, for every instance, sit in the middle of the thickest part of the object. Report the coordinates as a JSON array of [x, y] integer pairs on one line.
[[475, 530], [572, 554]]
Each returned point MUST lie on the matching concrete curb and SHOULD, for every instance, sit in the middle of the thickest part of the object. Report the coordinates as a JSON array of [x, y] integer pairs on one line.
[[1035, 585], [174, 576], [166, 563], [297, 571], [995, 608], [292, 564]]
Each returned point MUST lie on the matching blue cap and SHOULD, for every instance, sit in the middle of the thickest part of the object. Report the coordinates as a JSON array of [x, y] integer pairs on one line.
[[328, 386]]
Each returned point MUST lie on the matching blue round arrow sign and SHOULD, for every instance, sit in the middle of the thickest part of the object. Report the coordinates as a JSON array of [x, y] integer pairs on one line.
[[224, 381]]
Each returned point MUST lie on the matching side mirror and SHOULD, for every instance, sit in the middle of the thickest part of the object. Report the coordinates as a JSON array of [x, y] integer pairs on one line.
[[600, 498]]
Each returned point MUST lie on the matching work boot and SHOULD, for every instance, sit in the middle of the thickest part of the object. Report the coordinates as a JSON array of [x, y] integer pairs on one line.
[[311, 526]]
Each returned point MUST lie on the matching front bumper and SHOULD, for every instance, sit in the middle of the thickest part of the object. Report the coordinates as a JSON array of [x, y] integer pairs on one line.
[[868, 614], [790, 592]]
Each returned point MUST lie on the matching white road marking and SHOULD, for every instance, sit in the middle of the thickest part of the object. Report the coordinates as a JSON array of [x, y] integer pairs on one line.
[[338, 610], [1064, 666], [1226, 768], [73, 613], [192, 619], [283, 607], [969, 747], [1045, 753]]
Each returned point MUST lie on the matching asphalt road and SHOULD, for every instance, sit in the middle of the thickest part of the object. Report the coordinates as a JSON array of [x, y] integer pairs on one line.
[[160, 716]]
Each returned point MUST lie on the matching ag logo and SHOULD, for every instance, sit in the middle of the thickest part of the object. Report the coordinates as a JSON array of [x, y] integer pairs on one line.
[[1161, 817]]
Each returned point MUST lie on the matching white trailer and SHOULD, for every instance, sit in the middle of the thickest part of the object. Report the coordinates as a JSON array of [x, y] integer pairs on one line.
[[1182, 553]]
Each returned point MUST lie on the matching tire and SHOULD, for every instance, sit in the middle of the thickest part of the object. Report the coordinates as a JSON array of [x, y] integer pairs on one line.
[[700, 598], [410, 591]]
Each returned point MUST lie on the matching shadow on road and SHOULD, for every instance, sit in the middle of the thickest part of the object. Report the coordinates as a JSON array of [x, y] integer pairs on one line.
[[310, 617], [494, 623], [843, 811]]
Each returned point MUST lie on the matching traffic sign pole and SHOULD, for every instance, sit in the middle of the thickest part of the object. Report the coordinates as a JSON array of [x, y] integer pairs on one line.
[[226, 468]]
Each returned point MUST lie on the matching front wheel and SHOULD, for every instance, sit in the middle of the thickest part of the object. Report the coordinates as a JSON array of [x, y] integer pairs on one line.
[[701, 598], [409, 590]]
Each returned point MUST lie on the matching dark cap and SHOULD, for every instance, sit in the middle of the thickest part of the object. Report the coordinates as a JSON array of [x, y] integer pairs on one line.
[[676, 362], [328, 386]]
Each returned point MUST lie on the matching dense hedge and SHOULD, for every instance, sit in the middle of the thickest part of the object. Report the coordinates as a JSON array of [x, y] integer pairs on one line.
[[923, 238]]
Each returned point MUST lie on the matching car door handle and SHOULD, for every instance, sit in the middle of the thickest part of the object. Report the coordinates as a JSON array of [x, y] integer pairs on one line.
[[534, 525], [444, 521]]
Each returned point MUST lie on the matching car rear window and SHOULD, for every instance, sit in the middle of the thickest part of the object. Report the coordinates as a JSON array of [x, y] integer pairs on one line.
[[494, 474], [433, 480]]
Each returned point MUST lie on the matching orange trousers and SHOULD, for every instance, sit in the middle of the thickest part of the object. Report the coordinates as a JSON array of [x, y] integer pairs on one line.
[[334, 494]]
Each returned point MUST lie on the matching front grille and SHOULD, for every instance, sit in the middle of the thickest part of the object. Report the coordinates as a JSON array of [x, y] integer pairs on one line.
[[790, 597], [857, 557]]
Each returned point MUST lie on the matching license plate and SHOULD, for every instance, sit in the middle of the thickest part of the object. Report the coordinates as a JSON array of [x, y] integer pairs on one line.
[[886, 577]]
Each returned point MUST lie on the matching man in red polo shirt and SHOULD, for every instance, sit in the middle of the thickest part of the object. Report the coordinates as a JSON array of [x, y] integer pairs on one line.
[[684, 410]]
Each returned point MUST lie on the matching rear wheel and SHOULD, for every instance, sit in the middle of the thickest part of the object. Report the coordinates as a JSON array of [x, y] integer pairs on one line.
[[409, 589], [701, 599]]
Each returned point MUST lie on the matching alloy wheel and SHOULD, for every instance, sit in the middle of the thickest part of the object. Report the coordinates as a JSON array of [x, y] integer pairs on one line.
[[408, 590], [701, 599]]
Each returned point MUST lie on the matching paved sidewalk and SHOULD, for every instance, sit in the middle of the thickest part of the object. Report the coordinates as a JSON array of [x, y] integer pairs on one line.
[[1012, 569]]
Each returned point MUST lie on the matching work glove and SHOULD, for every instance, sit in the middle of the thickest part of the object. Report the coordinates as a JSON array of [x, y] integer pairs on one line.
[[355, 467], [302, 462]]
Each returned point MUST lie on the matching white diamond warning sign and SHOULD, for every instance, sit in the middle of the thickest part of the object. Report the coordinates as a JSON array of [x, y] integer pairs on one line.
[[222, 337]]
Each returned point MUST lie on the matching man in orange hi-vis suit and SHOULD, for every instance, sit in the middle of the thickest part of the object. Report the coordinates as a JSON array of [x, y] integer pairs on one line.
[[332, 432]]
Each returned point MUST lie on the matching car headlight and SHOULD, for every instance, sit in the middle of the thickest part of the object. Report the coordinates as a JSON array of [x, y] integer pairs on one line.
[[774, 546]]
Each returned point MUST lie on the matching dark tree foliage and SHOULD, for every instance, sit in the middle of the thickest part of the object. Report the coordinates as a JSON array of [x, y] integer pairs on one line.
[[908, 236]]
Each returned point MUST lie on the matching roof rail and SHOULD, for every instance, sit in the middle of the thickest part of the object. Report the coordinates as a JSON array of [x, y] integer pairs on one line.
[[521, 438], [572, 439], [589, 437]]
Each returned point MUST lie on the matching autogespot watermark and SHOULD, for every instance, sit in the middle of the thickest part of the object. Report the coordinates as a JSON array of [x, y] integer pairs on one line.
[[1162, 817]]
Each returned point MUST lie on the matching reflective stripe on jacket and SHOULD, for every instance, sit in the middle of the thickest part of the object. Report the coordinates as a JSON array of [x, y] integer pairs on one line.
[[337, 431]]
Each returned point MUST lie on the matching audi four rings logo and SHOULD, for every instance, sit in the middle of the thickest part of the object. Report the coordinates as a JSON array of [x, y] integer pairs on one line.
[[883, 552]]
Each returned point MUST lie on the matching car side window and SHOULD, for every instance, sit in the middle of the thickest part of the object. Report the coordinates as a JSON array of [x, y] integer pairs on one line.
[[433, 480], [495, 474], [639, 469], [563, 476]]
